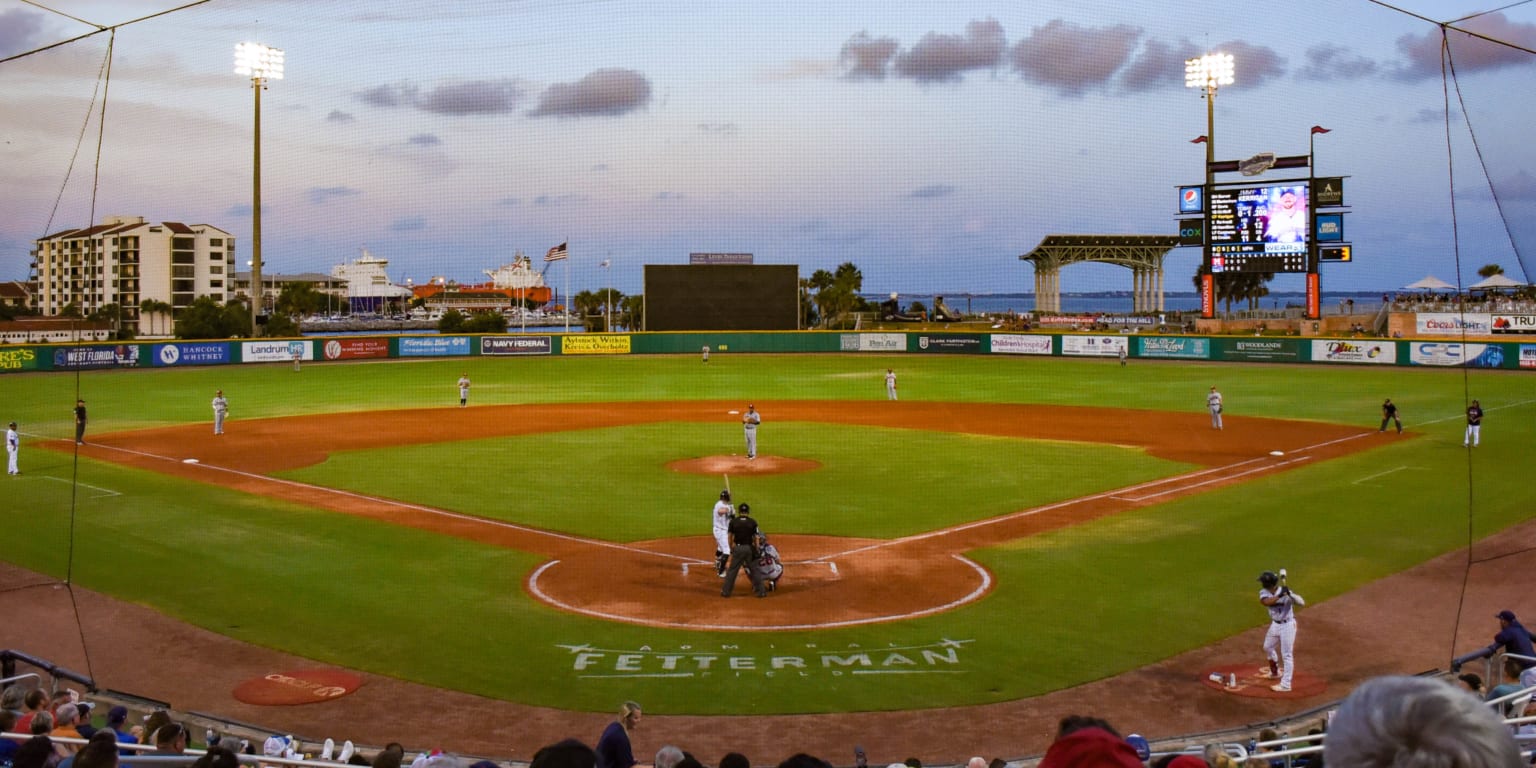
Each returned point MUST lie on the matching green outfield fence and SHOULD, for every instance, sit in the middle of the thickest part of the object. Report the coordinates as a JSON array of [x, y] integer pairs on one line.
[[1247, 349]]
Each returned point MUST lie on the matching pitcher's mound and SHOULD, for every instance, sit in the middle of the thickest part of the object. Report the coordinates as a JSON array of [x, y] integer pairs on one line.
[[1251, 684], [741, 465]]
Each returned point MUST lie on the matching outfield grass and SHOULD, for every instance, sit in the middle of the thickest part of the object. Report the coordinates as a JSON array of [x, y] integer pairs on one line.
[[451, 613]]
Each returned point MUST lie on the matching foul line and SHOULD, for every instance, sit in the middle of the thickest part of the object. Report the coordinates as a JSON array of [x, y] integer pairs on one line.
[[106, 493], [1379, 474]]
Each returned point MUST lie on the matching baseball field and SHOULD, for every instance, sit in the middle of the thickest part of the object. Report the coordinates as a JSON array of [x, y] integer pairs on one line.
[[1008, 528]]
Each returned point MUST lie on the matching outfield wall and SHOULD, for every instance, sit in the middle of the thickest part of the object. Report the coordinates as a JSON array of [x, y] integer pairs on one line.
[[1245, 349]]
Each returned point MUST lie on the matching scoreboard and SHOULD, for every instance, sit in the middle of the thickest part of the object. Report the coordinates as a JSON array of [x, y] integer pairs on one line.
[[1262, 228]]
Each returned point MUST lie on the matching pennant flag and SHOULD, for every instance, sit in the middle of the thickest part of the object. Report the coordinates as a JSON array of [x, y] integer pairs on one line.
[[1198, 140], [556, 253], [1320, 129]]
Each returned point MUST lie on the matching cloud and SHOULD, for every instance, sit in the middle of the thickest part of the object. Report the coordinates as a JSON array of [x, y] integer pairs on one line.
[[604, 92], [408, 224], [944, 58], [20, 30], [1255, 65], [1073, 59], [471, 97], [1335, 62], [1421, 53], [933, 190], [323, 195], [1521, 186], [338, 116], [867, 58], [1159, 65], [719, 129], [1435, 116], [554, 200], [424, 140]]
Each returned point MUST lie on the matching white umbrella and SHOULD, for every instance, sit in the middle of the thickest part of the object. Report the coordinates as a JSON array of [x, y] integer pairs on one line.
[[1430, 283], [1494, 282]]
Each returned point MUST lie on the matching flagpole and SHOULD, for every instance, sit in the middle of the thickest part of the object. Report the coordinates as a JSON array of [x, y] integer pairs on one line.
[[567, 288]]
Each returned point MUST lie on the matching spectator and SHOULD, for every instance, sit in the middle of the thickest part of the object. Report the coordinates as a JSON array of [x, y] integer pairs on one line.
[[34, 702], [613, 747], [1472, 683], [153, 722], [569, 753], [668, 757], [1407, 721], [803, 760], [36, 752], [391, 757], [99, 752], [1513, 684], [8, 747], [1088, 741], [14, 699], [64, 721], [170, 739], [735, 760], [42, 723], [215, 757]]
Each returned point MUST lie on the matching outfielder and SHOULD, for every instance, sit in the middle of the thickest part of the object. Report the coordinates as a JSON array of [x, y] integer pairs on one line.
[[220, 410], [463, 389], [1213, 404], [890, 384], [749, 422], [12, 447], [722, 514], [1281, 602], [1474, 425]]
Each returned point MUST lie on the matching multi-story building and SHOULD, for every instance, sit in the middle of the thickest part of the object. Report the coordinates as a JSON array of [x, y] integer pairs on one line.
[[126, 261]]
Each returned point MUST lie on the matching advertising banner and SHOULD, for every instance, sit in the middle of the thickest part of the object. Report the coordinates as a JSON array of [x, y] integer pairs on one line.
[[1020, 344], [1514, 323], [1260, 350], [1354, 351], [204, 353], [1453, 354], [433, 346], [594, 344], [1199, 349], [948, 342], [873, 342], [275, 351], [1094, 346], [355, 348], [1528, 355], [518, 345], [14, 359], [1452, 323], [79, 358]]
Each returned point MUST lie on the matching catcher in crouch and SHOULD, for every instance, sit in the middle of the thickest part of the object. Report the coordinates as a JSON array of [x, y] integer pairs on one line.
[[766, 564]]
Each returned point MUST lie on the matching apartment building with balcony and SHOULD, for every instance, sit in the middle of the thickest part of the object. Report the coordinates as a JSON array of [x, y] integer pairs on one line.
[[126, 260]]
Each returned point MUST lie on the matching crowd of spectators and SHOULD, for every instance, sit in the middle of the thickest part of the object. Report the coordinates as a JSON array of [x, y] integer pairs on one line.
[[1387, 721]]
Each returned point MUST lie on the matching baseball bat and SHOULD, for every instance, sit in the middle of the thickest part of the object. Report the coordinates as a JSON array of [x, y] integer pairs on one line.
[[727, 482]]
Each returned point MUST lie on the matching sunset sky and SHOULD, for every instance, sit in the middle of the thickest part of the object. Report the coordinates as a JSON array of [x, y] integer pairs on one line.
[[929, 143]]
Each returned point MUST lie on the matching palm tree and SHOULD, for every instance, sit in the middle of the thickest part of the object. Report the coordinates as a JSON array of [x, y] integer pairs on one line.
[[1489, 270]]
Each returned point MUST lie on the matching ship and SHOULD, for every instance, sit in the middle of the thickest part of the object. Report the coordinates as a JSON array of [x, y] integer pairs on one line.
[[509, 285], [368, 285], [518, 280]]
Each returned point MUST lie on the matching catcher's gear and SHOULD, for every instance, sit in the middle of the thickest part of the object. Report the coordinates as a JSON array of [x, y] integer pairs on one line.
[[1269, 579], [742, 508], [725, 495]]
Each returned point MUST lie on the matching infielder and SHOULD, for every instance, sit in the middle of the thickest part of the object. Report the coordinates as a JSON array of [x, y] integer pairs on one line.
[[749, 422], [463, 389], [12, 447], [890, 384], [722, 514], [220, 410], [1281, 603], [1213, 404], [1474, 425]]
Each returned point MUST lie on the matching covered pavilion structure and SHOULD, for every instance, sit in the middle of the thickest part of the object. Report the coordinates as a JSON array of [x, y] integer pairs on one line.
[[1142, 254]]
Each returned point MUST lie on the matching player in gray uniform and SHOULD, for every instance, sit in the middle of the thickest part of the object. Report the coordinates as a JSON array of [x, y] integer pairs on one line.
[[722, 514], [1281, 603], [220, 410], [749, 423], [1213, 404], [890, 384]]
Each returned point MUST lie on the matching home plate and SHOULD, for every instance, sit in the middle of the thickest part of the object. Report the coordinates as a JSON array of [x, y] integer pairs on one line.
[[1277, 453], [189, 461]]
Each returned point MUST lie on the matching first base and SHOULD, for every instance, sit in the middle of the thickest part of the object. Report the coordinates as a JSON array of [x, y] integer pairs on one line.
[[189, 461], [1277, 453]]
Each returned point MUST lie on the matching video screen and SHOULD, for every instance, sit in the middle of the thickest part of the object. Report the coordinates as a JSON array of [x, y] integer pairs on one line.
[[1259, 228]]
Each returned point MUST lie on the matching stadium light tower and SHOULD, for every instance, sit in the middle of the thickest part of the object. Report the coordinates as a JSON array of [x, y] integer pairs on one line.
[[260, 63], [1208, 73]]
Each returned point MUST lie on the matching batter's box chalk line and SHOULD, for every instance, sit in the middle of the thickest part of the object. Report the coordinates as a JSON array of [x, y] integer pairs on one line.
[[829, 565]]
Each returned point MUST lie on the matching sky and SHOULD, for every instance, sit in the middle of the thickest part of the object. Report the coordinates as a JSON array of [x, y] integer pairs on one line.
[[928, 143]]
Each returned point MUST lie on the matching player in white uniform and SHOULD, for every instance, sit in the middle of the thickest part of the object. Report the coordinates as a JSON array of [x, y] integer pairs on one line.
[[12, 447], [463, 390], [220, 411], [1281, 603], [722, 514], [890, 384], [749, 422], [1213, 404]]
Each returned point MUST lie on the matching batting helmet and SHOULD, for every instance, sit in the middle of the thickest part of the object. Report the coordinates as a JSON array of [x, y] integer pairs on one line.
[[742, 508], [725, 495], [1269, 579]]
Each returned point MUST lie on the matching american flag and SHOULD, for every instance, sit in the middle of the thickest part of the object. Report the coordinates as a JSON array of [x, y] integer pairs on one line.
[[556, 253]]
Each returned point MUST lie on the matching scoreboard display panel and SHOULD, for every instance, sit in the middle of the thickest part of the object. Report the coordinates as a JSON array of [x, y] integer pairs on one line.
[[1259, 228]]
